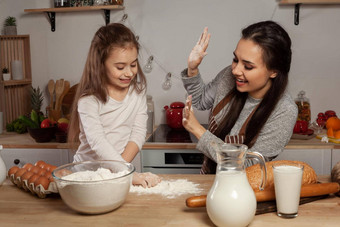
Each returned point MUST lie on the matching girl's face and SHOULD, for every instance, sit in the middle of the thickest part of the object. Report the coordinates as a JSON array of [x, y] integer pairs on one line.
[[250, 71], [121, 67]]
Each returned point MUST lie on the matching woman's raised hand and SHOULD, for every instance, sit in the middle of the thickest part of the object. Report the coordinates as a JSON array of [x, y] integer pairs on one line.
[[198, 52]]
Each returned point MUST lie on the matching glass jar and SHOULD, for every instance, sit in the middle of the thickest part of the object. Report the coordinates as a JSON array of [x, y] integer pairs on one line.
[[303, 104], [151, 115], [62, 3]]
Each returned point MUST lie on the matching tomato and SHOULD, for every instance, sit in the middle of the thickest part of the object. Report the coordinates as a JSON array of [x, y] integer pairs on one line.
[[46, 123], [300, 127]]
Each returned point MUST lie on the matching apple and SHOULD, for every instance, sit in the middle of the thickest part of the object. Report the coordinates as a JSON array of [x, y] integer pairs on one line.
[[63, 120], [63, 127], [47, 123]]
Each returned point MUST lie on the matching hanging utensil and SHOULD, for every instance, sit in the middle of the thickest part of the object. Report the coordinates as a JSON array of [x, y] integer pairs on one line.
[[59, 89], [66, 89]]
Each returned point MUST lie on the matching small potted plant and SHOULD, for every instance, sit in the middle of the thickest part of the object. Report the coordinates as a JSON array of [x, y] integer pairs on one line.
[[10, 26], [5, 74]]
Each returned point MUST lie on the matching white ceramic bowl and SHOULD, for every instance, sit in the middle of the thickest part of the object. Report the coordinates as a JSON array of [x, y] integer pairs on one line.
[[106, 191]]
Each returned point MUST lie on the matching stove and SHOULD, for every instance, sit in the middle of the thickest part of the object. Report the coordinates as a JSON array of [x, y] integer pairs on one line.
[[165, 134]]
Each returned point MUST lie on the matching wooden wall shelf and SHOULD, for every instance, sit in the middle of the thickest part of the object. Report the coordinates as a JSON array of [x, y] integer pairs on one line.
[[17, 82], [297, 4], [314, 2], [51, 12]]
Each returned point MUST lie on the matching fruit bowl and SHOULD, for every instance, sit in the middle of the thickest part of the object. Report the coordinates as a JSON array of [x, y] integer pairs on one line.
[[42, 135], [94, 187]]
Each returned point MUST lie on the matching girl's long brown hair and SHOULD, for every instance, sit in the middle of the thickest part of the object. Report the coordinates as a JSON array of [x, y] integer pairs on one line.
[[276, 48], [94, 79]]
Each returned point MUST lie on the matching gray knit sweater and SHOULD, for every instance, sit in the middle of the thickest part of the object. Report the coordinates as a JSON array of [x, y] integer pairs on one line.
[[274, 135]]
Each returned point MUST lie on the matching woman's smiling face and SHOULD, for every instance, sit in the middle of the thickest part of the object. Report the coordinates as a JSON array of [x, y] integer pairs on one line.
[[250, 70]]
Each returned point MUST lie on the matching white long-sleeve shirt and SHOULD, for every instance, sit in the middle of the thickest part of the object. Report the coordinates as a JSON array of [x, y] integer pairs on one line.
[[106, 128]]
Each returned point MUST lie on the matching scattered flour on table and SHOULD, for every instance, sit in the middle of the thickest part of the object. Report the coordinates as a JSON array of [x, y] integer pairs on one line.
[[99, 174], [169, 188]]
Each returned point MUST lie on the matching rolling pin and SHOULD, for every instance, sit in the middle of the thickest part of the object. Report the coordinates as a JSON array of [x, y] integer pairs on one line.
[[308, 190]]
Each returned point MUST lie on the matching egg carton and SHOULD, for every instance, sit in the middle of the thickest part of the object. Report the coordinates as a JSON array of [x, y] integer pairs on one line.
[[39, 190]]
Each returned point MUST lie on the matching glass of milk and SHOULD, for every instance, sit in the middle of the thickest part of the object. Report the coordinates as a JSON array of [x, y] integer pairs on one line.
[[287, 182]]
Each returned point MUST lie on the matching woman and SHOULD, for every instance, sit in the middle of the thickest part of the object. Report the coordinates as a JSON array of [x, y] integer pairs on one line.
[[109, 111], [248, 100]]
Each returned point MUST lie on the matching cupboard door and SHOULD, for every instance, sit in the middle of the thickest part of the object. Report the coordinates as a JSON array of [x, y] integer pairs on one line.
[[319, 159], [20, 157], [335, 156]]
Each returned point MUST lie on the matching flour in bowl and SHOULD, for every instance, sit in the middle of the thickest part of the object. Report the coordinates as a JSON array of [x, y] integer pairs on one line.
[[169, 188], [99, 174]]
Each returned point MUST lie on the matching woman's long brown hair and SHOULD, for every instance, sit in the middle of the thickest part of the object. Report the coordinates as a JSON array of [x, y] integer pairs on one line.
[[276, 48], [94, 79]]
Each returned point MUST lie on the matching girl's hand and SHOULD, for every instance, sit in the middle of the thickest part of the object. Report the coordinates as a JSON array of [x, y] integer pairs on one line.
[[198, 52], [189, 120], [147, 180]]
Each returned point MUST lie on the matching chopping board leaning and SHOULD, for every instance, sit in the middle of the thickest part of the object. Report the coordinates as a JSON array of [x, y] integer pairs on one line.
[[266, 198], [333, 140]]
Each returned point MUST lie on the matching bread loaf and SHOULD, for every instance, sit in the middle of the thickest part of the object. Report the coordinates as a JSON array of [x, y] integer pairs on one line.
[[255, 176]]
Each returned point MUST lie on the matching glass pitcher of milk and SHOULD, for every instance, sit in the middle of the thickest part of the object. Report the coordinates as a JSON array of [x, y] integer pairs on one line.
[[231, 201]]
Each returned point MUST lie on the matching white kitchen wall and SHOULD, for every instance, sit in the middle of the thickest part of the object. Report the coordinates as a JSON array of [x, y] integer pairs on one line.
[[169, 29]]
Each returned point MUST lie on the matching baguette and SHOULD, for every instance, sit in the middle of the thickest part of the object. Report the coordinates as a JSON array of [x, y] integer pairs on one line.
[[254, 174]]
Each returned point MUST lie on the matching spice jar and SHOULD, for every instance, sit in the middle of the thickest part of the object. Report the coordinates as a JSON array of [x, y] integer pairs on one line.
[[303, 104]]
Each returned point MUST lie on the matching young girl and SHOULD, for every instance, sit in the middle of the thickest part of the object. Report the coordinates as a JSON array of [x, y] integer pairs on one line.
[[109, 111], [248, 100]]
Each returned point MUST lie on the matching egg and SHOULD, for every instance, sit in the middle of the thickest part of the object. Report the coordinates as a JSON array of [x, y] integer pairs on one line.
[[28, 166], [35, 169], [43, 181], [19, 173], [32, 179], [52, 168], [26, 175], [40, 163], [47, 166], [42, 172], [13, 170], [49, 176]]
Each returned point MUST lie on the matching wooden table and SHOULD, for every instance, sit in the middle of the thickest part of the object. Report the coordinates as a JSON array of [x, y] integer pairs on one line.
[[20, 208]]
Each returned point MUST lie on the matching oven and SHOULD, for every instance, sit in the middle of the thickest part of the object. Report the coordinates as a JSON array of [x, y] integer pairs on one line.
[[171, 161]]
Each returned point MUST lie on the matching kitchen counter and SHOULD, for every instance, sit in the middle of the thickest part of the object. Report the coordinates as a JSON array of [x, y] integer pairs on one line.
[[15, 140], [20, 208]]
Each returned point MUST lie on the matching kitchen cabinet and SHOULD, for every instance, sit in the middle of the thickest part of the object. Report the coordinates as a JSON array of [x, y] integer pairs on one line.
[[15, 94], [319, 159], [20, 157], [171, 161], [51, 12]]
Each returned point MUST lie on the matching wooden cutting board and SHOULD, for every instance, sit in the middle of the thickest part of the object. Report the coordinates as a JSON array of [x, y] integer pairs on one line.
[[270, 206], [333, 140]]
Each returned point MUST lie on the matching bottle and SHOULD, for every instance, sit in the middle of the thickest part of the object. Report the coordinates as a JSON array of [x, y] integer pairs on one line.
[[303, 104], [151, 115]]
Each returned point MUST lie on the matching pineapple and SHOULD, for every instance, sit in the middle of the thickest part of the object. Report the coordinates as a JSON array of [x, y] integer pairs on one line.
[[36, 99]]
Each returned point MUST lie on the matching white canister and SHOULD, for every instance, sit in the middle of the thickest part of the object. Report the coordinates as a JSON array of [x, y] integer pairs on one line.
[[17, 73], [3, 171]]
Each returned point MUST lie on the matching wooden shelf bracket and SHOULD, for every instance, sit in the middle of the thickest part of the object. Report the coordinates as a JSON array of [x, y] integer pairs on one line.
[[107, 16], [51, 16], [297, 13]]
